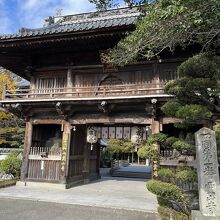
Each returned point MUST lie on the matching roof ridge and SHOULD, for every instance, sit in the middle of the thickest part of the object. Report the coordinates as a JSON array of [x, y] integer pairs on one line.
[[100, 12]]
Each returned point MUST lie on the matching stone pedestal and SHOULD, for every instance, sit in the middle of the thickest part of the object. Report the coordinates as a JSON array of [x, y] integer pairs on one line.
[[197, 215]]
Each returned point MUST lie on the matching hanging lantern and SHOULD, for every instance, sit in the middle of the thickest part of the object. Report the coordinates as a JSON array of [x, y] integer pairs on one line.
[[137, 135], [92, 136]]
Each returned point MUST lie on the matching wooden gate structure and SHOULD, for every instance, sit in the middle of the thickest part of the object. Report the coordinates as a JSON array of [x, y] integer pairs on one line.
[[70, 89]]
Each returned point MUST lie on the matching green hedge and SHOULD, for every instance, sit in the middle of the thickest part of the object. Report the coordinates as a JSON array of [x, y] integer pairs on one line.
[[5, 183], [166, 190]]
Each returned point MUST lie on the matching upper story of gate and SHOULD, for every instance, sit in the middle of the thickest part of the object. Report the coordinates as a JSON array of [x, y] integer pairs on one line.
[[62, 60]]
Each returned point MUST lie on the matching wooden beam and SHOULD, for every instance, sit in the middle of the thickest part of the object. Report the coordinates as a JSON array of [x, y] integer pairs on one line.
[[170, 120], [105, 119], [46, 121], [66, 67]]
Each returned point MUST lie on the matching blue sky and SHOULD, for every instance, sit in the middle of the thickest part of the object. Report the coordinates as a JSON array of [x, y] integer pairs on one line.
[[15, 14]]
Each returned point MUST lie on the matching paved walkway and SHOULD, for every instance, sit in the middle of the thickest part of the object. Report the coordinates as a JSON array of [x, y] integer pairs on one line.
[[13, 209], [119, 193]]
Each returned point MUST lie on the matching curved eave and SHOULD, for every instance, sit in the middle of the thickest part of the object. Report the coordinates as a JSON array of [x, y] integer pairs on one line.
[[64, 36]]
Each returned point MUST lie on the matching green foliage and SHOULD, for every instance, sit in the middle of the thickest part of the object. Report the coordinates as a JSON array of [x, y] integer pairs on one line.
[[193, 112], [11, 131], [11, 127], [166, 24], [169, 141], [181, 145], [164, 202], [148, 151], [187, 112], [190, 138], [103, 5], [201, 66], [167, 213], [166, 175], [196, 91], [150, 148], [170, 108], [159, 138], [166, 190], [119, 146], [186, 175], [182, 174], [11, 165]]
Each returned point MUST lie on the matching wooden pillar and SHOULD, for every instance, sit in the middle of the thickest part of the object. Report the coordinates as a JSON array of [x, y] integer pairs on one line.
[[86, 160], [3, 92], [32, 83], [98, 148], [27, 146], [155, 127], [65, 152], [69, 81]]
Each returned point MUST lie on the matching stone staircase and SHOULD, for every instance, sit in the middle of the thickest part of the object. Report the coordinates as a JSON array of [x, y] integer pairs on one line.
[[131, 171]]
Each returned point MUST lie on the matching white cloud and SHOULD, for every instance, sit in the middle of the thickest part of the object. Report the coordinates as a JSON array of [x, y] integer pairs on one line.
[[73, 6], [31, 13]]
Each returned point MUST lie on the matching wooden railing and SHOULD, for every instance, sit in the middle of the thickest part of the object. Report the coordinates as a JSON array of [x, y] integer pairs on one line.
[[85, 92]]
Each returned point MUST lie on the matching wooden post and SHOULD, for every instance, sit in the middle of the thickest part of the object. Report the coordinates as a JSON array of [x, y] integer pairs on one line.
[[27, 146], [3, 92], [86, 162], [65, 152]]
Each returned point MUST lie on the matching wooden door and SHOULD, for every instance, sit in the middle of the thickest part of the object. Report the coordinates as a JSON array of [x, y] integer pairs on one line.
[[44, 160]]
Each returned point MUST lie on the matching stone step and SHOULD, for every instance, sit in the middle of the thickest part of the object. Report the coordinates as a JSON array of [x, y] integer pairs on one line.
[[128, 174]]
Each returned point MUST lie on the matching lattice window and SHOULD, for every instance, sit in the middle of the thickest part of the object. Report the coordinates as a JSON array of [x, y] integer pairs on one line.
[[51, 84]]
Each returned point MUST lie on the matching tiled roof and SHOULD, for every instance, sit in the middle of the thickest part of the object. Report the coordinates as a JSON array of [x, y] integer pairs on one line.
[[81, 22]]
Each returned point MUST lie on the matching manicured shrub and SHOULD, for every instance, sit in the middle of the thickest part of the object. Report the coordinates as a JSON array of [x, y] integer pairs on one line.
[[186, 175], [11, 165], [166, 175], [148, 152], [164, 202], [169, 141], [166, 190], [182, 146], [168, 213], [159, 138]]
